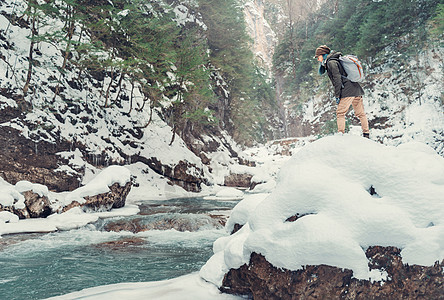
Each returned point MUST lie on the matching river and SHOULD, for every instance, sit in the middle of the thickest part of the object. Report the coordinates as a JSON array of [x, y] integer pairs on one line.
[[138, 248]]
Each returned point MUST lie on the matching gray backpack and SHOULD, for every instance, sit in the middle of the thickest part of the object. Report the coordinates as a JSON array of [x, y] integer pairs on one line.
[[353, 67]]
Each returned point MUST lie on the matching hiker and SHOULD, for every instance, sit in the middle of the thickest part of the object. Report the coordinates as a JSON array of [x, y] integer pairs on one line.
[[346, 92]]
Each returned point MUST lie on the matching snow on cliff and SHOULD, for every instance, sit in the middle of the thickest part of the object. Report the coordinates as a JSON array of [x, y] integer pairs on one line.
[[327, 185]]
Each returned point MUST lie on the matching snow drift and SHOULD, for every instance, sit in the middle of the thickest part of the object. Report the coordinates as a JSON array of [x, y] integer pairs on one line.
[[348, 193]]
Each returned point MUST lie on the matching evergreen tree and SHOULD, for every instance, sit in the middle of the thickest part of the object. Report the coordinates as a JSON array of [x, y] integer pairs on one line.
[[192, 82], [437, 22]]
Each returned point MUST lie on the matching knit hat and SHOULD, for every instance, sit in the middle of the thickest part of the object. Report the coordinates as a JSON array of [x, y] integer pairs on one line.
[[321, 50]]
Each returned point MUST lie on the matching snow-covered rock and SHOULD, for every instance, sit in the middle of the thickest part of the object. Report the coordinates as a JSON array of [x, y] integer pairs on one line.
[[241, 212], [335, 198], [107, 190], [71, 219]]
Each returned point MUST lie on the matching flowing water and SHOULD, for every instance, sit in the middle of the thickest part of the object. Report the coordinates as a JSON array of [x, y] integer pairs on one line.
[[131, 249]]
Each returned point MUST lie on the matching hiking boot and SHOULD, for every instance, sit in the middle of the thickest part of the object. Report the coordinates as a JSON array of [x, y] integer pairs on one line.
[[366, 135]]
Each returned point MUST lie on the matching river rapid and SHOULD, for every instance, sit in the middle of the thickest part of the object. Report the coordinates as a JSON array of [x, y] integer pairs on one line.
[[167, 239]]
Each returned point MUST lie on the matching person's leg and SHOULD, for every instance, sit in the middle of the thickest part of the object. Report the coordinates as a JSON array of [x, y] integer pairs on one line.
[[358, 107], [342, 109]]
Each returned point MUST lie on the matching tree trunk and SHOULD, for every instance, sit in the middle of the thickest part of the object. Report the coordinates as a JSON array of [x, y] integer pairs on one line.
[[30, 59], [131, 95], [119, 84], [71, 27], [109, 87], [174, 135], [291, 28]]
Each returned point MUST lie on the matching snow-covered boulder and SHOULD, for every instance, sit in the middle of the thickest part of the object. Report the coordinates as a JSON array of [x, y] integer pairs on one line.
[[334, 199], [239, 215], [109, 189], [25, 199]]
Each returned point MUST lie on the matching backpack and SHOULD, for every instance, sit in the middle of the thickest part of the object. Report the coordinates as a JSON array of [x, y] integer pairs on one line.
[[352, 67]]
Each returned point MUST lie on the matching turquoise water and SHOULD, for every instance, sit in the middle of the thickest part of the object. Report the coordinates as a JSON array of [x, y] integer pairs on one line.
[[38, 266]]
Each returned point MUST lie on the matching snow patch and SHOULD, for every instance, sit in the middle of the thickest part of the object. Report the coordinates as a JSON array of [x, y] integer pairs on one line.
[[187, 287], [227, 193]]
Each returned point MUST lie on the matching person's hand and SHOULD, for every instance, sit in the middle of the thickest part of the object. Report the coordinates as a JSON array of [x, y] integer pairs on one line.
[[337, 100]]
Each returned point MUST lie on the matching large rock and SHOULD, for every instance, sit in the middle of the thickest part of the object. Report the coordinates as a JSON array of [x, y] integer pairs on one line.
[[185, 174], [36, 206], [178, 222], [261, 280], [125, 245], [115, 198], [238, 180]]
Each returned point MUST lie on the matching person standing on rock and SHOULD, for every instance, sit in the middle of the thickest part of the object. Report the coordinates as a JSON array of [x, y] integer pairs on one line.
[[346, 92]]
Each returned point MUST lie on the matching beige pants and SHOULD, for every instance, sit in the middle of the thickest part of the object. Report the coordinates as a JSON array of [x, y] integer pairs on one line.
[[358, 107]]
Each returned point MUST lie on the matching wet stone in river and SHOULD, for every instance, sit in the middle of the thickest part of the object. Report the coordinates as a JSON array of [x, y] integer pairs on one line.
[[179, 222], [125, 244]]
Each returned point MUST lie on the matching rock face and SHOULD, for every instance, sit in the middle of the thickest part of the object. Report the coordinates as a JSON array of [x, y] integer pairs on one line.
[[23, 159], [184, 174], [264, 38], [115, 198], [261, 280]]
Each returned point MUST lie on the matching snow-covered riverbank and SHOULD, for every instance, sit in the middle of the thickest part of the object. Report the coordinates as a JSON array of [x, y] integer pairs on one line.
[[346, 193]]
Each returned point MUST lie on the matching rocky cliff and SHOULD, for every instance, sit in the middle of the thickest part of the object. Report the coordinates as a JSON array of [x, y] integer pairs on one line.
[[263, 36]]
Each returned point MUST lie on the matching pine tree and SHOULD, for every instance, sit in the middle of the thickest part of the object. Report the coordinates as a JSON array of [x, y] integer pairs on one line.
[[191, 85]]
